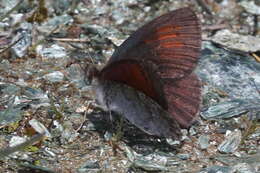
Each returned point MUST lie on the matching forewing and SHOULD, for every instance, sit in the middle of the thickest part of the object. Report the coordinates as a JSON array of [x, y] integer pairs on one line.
[[170, 42]]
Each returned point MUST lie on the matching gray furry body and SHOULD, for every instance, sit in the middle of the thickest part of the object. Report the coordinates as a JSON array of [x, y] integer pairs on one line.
[[136, 107]]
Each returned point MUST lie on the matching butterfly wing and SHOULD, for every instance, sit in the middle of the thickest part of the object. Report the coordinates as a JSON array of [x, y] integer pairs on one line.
[[170, 42], [182, 96], [184, 99], [158, 60]]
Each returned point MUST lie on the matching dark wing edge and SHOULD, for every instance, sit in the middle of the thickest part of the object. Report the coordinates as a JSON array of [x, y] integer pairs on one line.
[[184, 99]]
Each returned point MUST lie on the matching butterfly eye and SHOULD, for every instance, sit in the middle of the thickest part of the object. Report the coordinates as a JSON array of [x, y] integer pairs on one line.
[[90, 73]]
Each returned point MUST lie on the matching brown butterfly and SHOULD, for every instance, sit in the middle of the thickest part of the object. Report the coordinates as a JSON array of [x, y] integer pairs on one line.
[[149, 79]]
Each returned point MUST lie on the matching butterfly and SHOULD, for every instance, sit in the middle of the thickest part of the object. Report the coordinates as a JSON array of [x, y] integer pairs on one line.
[[149, 79]]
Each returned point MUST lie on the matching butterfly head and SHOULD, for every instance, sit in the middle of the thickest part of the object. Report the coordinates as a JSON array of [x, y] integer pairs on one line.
[[91, 73]]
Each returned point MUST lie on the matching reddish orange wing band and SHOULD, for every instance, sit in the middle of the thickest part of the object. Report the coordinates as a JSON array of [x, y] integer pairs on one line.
[[136, 75], [172, 42]]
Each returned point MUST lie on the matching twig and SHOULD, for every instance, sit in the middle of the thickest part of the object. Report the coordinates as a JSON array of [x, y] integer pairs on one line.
[[204, 7], [85, 117], [257, 58], [8, 47], [80, 40], [214, 27]]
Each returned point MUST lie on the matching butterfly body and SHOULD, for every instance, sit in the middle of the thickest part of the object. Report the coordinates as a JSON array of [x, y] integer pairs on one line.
[[149, 78], [136, 107]]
